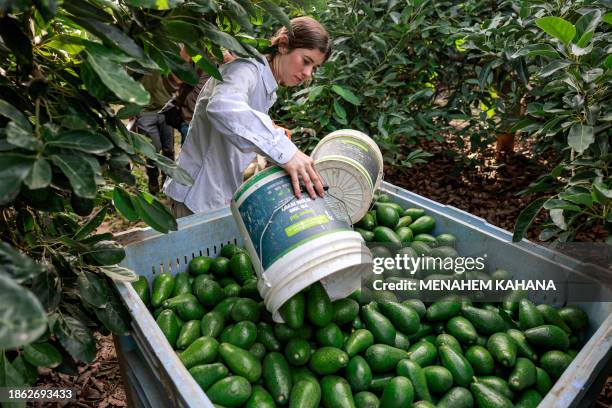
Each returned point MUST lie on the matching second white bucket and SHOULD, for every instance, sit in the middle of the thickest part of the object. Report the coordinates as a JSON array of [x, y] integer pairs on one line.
[[351, 165], [294, 243]]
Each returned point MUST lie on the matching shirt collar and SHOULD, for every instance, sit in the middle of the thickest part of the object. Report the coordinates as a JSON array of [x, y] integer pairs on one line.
[[268, 77]]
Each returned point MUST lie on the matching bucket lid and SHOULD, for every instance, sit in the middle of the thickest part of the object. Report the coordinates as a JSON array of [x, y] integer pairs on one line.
[[348, 193], [356, 134]]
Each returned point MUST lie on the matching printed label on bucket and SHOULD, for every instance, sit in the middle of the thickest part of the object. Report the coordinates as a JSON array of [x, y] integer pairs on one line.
[[349, 148], [277, 222]]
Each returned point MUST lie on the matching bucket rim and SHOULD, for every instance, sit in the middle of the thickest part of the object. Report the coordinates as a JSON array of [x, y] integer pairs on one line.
[[358, 135], [244, 187]]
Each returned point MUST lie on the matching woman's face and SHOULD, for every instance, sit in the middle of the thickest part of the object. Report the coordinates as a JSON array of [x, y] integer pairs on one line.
[[295, 67]]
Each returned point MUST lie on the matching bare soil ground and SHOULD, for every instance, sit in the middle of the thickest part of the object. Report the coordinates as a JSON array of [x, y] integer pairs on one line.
[[98, 385]]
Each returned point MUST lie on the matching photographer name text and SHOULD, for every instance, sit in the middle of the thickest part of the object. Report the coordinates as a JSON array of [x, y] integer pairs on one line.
[[465, 285]]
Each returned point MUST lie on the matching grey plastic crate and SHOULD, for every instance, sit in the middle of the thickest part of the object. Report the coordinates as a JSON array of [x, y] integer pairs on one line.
[[154, 376]]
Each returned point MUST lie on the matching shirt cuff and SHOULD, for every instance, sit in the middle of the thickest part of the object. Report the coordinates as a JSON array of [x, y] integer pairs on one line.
[[284, 150]]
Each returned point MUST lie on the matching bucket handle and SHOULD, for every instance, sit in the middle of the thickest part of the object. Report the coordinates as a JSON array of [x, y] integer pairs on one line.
[[284, 203], [382, 180]]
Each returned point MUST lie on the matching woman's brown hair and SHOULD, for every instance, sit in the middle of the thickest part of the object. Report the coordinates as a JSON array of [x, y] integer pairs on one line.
[[307, 33]]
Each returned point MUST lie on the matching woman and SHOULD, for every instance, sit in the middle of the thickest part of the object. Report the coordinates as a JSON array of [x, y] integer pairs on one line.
[[231, 123]]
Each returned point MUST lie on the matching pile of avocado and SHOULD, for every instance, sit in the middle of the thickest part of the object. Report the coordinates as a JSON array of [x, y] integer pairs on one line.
[[358, 352]]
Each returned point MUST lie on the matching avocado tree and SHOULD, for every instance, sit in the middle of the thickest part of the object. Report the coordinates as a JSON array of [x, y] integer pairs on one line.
[[407, 72], [67, 83], [570, 111]]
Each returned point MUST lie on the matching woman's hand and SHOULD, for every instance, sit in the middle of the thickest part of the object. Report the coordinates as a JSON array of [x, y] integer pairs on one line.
[[302, 165]]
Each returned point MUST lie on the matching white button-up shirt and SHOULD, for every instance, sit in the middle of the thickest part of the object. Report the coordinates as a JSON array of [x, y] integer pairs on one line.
[[230, 125]]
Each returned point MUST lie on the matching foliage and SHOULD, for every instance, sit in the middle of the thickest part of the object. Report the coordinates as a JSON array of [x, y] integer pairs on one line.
[[68, 82], [404, 72], [569, 55], [391, 61]]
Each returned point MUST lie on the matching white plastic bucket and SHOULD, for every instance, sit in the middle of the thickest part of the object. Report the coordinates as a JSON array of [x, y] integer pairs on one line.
[[351, 165], [294, 243]]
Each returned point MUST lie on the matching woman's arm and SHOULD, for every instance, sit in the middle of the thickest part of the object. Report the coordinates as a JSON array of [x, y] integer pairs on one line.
[[248, 129]]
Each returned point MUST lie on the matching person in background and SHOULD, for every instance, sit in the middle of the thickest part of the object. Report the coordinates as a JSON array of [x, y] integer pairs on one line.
[[153, 124], [231, 124]]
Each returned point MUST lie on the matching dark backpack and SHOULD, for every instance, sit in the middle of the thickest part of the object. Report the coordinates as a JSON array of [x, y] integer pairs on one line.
[[172, 108]]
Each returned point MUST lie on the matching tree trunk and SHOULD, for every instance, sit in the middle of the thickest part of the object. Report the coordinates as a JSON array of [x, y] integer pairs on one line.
[[504, 145]]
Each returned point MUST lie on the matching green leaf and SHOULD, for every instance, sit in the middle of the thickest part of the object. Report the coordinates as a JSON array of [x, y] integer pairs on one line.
[[602, 194], [119, 273], [48, 289], [172, 169], [10, 377], [548, 233], [183, 69], [340, 111], [114, 316], [557, 217], [20, 137], [608, 18], [79, 172], [83, 8], [28, 372], [249, 7], [93, 83], [537, 50], [93, 289], [40, 174], [106, 253], [485, 75], [121, 137], [123, 203], [347, 95], [113, 75], [554, 203], [222, 39], [9, 111], [275, 11], [42, 355], [423, 94], [553, 67], [111, 35], [208, 67], [153, 212], [76, 338], [581, 51], [585, 27], [127, 111], [557, 27], [181, 31], [580, 137], [525, 219], [84, 141], [16, 265], [14, 168], [583, 177], [523, 123], [238, 14], [22, 317], [105, 236], [314, 92], [582, 198], [90, 226], [144, 145]]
